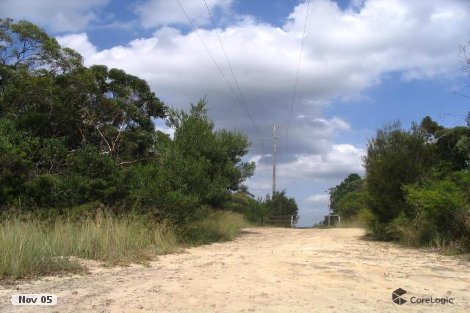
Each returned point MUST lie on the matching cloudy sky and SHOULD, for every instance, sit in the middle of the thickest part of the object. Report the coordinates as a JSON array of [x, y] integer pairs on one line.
[[363, 63]]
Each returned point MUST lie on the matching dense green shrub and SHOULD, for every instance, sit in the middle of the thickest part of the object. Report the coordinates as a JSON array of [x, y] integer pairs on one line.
[[349, 197], [272, 210], [350, 205], [418, 185], [395, 157], [72, 135], [444, 205]]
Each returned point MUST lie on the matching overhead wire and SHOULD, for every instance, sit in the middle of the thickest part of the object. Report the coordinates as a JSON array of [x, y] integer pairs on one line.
[[294, 92], [238, 96], [237, 85], [226, 57], [207, 49]]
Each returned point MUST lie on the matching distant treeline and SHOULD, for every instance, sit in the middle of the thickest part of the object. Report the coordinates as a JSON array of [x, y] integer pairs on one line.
[[74, 139], [416, 188], [277, 210]]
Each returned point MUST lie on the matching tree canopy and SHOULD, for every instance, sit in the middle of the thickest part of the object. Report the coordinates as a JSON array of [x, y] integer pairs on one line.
[[74, 137], [349, 197], [417, 185]]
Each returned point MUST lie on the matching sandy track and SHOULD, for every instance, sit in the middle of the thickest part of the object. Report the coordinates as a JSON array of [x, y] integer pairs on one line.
[[266, 270]]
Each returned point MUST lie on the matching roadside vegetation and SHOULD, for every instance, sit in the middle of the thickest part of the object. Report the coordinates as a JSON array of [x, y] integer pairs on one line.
[[84, 173], [276, 210], [416, 188], [30, 246]]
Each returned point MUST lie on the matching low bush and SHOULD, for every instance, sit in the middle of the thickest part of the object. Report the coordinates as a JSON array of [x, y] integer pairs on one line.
[[218, 226]]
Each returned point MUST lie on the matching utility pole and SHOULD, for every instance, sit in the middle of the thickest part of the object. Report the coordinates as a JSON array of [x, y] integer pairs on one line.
[[275, 138], [275, 127]]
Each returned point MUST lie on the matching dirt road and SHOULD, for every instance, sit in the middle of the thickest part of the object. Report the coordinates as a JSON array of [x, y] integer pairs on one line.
[[266, 270]]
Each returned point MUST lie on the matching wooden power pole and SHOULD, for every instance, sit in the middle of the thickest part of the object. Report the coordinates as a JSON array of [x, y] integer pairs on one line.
[[275, 138]]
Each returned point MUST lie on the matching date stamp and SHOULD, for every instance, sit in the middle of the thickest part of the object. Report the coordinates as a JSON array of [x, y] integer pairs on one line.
[[34, 299]]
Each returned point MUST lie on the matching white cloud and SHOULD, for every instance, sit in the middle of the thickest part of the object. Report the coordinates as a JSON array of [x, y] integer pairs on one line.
[[78, 42], [166, 130], [346, 51], [155, 13], [322, 168], [337, 163], [57, 15], [318, 199], [312, 135]]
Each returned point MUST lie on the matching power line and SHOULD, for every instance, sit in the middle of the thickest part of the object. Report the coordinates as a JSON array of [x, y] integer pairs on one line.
[[243, 102], [294, 92], [461, 94], [225, 53], [207, 49], [234, 93]]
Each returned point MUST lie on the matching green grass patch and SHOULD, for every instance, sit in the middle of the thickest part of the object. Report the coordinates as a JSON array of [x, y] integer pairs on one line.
[[32, 247], [25, 250], [218, 226]]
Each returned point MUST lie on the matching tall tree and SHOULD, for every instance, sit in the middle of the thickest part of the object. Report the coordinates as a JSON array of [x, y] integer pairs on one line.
[[351, 183], [49, 93], [394, 157], [349, 197]]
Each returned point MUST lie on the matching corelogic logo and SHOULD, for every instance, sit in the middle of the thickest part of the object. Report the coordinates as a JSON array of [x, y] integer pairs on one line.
[[397, 296]]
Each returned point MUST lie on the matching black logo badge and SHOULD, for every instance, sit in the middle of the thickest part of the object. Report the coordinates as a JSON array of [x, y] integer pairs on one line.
[[396, 296]]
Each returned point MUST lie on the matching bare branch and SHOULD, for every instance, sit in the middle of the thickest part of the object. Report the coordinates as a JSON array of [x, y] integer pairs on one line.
[[134, 161], [104, 138]]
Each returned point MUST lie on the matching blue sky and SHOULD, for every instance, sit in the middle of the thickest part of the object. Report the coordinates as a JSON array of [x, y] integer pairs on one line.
[[364, 63]]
